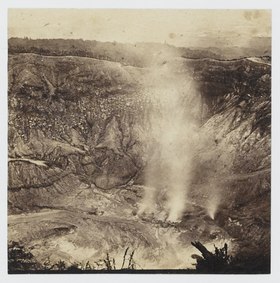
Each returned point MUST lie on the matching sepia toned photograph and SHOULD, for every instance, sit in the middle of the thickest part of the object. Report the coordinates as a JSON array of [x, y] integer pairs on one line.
[[139, 141]]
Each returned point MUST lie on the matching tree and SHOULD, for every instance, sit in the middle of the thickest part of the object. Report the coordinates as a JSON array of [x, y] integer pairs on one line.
[[217, 262]]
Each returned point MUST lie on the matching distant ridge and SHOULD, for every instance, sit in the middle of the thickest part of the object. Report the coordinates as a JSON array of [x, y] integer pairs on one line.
[[139, 54]]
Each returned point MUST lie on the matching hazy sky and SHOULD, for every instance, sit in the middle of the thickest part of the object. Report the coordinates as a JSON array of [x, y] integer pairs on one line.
[[177, 27]]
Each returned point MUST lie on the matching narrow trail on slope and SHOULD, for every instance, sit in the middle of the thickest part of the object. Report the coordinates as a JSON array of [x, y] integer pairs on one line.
[[240, 177], [32, 161]]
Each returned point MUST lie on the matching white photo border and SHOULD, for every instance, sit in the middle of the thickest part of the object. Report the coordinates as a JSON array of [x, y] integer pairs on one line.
[[147, 4]]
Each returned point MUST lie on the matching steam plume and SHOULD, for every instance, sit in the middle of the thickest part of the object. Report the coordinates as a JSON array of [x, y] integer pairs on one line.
[[173, 127]]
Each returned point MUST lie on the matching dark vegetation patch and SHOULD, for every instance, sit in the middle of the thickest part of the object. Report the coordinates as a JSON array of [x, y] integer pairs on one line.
[[21, 260]]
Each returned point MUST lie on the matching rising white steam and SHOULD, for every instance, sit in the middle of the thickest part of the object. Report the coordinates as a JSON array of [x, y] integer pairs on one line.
[[212, 205], [174, 117]]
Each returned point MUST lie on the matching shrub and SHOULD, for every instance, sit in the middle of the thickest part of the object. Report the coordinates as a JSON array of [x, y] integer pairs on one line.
[[20, 259], [217, 262]]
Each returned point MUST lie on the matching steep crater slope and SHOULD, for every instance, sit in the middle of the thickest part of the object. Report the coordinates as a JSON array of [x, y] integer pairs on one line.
[[238, 95]]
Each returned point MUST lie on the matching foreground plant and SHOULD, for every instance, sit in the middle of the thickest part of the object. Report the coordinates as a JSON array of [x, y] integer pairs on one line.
[[21, 259]]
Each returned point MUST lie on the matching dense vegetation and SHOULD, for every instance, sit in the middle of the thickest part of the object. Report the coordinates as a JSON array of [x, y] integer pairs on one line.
[[21, 260], [139, 54]]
